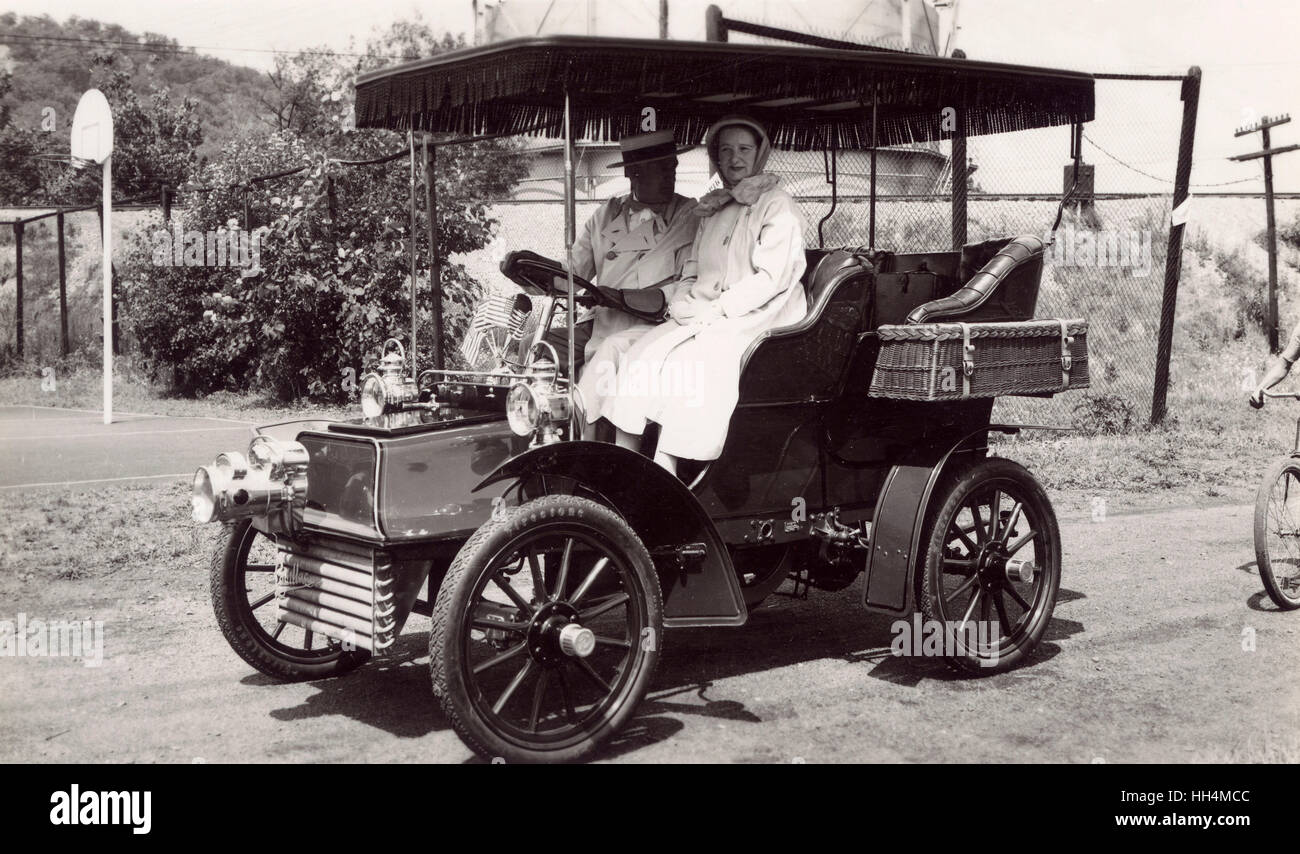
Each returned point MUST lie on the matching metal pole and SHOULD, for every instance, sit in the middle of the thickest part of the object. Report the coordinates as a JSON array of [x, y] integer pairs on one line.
[[959, 176], [1272, 246], [107, 217], [63, 288], [435, 265], [663, 19], [1174, 253], [871, 210], [570, 237], [18, 256], [410, 138]]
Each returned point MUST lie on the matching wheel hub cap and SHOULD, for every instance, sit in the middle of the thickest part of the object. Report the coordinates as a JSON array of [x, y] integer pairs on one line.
[[555, 635]]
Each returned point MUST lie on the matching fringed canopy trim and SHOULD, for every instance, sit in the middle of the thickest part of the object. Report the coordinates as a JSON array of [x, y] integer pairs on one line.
[[808, 98]]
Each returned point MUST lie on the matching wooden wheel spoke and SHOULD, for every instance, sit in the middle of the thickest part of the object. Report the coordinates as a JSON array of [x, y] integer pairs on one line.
[[1019, 599], [306, 643], [563, 578], [975, 597], [995, 510], [259, 567], [588, 581], [569, 713], [500, 658], [1020, 543], [539, 583], [967, 564], [965, 585], [511, 592], [591, 674], [605, 605], [601, 640], [262, 600], [279, 628], [981, 536], [501, 625], [1016, 510], [539, 692], [512, 687], [1003, 619]]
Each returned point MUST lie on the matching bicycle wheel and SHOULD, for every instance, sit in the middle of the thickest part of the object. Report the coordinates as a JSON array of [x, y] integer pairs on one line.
[[1277, 532]]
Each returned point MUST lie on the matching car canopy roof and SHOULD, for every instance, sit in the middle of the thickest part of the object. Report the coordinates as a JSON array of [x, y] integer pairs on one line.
[[808, 98]]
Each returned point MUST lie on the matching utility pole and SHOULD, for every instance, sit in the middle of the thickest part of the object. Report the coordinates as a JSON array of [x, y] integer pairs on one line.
[[663, 19], [1262, 126]]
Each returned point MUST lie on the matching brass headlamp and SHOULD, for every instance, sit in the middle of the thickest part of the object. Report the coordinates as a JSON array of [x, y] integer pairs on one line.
[[542, 403], [388, 390], [271, 480]]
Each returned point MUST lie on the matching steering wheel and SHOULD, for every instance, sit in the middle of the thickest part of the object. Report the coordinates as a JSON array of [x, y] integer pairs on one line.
[[537, 273]]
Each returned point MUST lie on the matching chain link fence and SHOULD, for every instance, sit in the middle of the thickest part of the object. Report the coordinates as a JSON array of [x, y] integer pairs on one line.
[[1106, 264]]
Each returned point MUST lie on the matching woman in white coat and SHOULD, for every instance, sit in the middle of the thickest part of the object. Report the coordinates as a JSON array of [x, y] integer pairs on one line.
[[742, 278]]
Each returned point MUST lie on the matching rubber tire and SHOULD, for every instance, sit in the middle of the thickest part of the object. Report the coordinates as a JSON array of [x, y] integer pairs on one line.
[[445, 655], [243, 631], [951, 495], [1264, 564]]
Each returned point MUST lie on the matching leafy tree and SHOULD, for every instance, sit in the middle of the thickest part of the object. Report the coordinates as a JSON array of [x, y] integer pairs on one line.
[[20, 177], [334, 269]]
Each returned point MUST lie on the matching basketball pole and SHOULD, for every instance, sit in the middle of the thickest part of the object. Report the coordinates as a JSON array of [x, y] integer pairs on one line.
[[108, 289]]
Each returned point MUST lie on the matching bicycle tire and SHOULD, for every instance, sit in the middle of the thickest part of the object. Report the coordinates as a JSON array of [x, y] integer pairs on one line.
[[1284, 590]]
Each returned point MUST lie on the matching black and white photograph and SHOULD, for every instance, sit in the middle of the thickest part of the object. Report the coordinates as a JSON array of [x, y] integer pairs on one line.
[[781, 382]]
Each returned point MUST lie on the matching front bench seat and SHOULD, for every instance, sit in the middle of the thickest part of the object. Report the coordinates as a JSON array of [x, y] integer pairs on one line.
[[1005, 288], [805, 360]]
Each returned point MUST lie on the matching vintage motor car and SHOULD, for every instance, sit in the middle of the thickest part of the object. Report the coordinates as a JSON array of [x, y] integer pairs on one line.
[[551, 566]]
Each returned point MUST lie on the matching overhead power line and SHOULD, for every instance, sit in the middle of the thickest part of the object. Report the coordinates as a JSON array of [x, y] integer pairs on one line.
[[175, 49]]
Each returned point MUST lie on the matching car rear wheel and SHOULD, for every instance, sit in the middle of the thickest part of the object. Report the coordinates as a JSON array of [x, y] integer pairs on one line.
[[243, 596], [546, 631], [992, 566]]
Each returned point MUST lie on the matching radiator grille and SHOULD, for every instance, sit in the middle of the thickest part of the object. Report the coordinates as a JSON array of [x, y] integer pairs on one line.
[[343, 595]]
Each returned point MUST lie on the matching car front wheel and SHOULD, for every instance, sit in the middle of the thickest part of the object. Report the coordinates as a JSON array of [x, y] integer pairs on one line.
[[546, 631]]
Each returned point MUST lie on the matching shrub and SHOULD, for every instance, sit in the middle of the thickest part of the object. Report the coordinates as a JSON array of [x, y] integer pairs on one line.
[[1106, 414]]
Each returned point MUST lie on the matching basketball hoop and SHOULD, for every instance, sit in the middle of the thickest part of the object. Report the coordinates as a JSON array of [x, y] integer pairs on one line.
[[92, 130], [92, 142]]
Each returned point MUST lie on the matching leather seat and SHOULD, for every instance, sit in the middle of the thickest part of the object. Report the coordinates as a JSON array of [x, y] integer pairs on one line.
[[1004, 288], [805, 360]]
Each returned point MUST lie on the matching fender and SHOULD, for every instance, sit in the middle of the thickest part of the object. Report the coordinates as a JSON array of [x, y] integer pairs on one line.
[[664, 514], [900, 516]]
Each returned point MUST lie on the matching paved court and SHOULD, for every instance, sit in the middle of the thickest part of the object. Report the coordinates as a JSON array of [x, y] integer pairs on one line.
[[48, 447]]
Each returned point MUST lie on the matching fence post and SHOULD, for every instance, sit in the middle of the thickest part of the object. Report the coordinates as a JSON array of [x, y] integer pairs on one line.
[[63, 288], [18, 257], [1173, 256]]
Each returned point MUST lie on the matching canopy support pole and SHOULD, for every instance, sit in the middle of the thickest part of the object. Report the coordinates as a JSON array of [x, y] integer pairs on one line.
[[410, 137], [875, 128], [435, 267], [570, 237]]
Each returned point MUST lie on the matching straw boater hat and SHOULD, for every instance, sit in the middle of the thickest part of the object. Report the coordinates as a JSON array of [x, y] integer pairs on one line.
[[647, 147]]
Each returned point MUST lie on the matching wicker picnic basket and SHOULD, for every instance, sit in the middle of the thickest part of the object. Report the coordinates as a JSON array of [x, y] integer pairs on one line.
[[955, 361]]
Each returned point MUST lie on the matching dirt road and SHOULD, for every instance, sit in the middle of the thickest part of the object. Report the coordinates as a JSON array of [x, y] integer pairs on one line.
[[1163, 649]]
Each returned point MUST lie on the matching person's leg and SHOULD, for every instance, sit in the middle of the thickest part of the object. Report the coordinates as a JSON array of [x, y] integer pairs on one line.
[[624, 439]]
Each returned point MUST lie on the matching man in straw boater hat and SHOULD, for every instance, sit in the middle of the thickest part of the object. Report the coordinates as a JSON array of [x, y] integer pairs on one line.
[[640, 240]]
